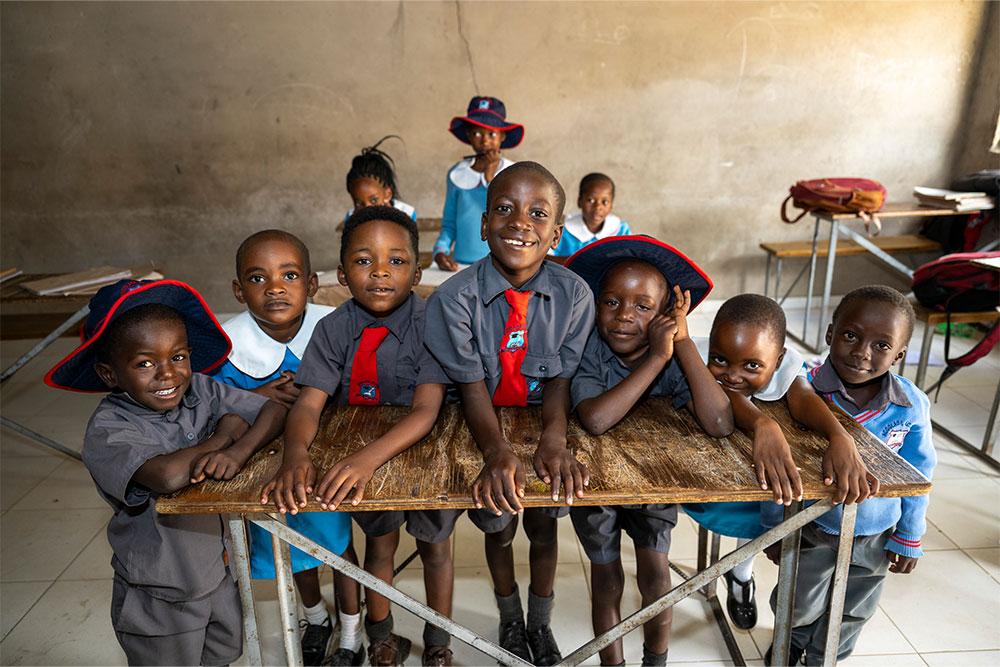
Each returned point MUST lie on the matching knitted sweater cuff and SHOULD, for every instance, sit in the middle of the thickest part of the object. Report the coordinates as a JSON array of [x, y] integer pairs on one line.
[[905, 545]]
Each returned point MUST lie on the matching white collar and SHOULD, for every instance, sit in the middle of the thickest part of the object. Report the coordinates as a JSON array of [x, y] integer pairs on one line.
[[257, 354], [575, 225], [467, 178]]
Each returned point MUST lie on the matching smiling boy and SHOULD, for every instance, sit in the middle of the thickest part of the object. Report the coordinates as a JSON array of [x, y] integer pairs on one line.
[[510, 330]]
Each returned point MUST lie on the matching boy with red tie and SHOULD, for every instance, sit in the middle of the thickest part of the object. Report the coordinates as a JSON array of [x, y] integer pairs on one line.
[[370, 351], [510, 330]]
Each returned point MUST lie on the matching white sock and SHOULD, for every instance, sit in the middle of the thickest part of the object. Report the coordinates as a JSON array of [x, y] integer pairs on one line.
[[350, 631], [316, 615], [741, 573]]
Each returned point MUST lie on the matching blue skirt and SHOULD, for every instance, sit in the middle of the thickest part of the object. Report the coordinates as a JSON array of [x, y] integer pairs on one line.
[[331, 530], [730, 519]]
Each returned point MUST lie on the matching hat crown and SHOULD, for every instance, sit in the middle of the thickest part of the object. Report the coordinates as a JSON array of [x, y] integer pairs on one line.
[[487, 104], [104, 300]]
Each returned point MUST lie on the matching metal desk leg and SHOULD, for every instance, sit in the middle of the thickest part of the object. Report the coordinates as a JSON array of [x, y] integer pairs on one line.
[[777, 278], [844, 551], [925, 353], [286, 599], [987, 447], [711, 595], [812, 282], [831, 257], [241, 561], [787, 571], [45, 342], [767, 274]]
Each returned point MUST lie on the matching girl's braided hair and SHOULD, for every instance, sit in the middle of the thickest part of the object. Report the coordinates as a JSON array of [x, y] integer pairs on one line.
[[374, 163]]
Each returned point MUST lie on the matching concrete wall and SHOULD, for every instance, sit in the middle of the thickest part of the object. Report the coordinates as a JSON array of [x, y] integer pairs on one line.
[[136, 131]]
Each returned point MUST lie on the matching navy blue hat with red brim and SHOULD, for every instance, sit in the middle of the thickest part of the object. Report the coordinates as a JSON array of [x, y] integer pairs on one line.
[[209, 343], [487, 112], [592, 261]]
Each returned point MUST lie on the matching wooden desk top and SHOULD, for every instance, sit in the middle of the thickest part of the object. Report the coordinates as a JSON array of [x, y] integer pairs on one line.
[[654, 455], [896, 210]]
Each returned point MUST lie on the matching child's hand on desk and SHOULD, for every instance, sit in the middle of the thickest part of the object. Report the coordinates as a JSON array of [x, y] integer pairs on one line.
[[772, 461], [900, 564], [281, 389], [445, 262], [500, 484], [679, 310], [555, 465], [222, 464], [842, 463], [294, 480], [350, 472]]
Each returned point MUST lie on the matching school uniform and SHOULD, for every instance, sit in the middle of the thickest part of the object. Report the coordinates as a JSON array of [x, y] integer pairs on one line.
[[402, 363], [899, 415], [174, 599], [255, 360], [649, 525], [462, 219], [396, 204], [466, 321], [577, 235]]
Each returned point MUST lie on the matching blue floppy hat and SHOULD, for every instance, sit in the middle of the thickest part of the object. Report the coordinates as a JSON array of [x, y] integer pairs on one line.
[[487, 112], [210, 345], [592, 261]]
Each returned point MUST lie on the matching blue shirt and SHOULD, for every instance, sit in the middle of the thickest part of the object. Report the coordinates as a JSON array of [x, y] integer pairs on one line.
[[462, 219]]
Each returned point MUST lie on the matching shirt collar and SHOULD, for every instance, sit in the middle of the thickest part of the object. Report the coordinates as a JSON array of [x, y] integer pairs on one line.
[[398, 322], [493, 284], [826, 381], [575, 225], [257, 354], [467, 178]]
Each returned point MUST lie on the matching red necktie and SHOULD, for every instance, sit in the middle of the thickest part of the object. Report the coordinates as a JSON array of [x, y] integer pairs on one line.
[[513, 389], [364, 371]]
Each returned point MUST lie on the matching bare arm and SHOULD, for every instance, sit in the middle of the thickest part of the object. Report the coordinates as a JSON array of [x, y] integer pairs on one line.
[[296, 476], [225, 463], [500, 484], [353, 472], [772, 457], [554, 462]]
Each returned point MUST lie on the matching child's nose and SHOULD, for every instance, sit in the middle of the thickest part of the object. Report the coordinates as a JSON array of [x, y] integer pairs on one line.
[[275, 287]]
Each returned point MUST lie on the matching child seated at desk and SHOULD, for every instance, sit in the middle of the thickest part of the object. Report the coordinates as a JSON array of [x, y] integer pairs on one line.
[[509, 330], [746, 353], [372, 181], [370, 351], [163, 426], [274, 280], [871, 328], [640, 347], [594, 220]]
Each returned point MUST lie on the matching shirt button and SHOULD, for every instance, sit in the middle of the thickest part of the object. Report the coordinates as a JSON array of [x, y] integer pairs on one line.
[[387, 403], [190, 436], [543, 368]]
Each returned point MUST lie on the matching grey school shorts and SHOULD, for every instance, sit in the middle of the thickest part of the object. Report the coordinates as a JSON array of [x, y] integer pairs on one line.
[[600, 528], [488, 522], [425, 525], [151, 631]]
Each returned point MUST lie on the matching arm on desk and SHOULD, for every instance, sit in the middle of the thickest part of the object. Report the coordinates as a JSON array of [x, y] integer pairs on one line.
[[297, 475], [841, 462], [772, 457], [500, 484], [353, 472], [555, 464], [225, 463]]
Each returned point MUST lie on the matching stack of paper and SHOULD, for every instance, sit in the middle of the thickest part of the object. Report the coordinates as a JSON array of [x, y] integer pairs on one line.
[[954, 200], [12, 272]]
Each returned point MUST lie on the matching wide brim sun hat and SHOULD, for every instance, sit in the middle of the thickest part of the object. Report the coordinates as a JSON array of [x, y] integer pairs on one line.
[[592, 261], [487, 112], [210, 345]]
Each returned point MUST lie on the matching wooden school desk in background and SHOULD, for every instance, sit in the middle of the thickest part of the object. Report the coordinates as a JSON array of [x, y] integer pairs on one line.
[[654, 455]]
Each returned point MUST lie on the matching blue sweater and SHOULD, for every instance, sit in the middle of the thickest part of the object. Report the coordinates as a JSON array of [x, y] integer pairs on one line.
[[907, 431]]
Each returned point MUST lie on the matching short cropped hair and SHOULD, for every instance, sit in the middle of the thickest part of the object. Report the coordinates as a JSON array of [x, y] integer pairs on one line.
[[635, 261], [130, 320], [881, 293], [755, 310], [387, 213], [273, 235], [596, 177], [541, 171]]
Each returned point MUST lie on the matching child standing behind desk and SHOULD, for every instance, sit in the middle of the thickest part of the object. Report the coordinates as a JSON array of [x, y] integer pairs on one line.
[[485, 128], [163, 426], [274, 280], [510, 330], [370, 351], [594, 220], [640, 347], [372, 181], [870, 331]]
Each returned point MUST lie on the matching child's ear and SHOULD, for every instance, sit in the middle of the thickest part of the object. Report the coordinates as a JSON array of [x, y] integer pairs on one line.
[[482, 229], [341, 275], [417, 275], [899, 356], [829, 334], [238, 291], [313, 285], [387, 194], [781, 357], [106, 373], [556, 236]]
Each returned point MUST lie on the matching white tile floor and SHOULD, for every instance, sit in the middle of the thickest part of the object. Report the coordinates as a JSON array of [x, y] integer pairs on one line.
[[55, 578]]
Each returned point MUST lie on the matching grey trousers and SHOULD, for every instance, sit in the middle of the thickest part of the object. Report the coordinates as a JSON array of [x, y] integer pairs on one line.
[[810, 614]]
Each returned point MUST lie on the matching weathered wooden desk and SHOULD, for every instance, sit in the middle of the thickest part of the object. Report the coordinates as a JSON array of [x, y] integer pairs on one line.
[[654, 455]]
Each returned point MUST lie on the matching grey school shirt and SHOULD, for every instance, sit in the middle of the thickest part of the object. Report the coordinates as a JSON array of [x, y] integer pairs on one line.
[[601, 369], [401, 359], [172, 557], [467, 315]]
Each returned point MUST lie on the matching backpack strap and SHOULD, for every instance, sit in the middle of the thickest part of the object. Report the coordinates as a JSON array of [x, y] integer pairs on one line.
[[784, 216]]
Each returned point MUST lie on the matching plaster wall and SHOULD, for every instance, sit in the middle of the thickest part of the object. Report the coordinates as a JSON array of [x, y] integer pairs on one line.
[[170, 131]]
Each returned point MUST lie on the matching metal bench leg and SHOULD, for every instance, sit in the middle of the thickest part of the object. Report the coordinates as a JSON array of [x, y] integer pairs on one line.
[[925, 353], [839, 593], [987, 447], [241, 563], [812, 282], [831, 259], [767, 274]]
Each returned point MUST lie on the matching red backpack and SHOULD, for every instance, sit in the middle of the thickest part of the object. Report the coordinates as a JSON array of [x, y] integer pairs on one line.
[[839, 195]]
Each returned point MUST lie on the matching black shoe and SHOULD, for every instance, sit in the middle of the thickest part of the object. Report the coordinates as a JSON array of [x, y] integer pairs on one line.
[[514, 638], [345, 657], [742, 614], [315, 641], [794, 654], [543, 646]]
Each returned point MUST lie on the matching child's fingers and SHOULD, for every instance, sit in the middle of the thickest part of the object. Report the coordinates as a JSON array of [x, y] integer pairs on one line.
[[796, 479], [827, 471], [476, 493], [873, 484], [581, 477], [266, 491], [543, 471]]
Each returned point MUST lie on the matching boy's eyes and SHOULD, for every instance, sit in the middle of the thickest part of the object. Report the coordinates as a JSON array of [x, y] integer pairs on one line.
[[291, 275], [717, 360], [145, 363], [180, 356], [502, 208], [752, 366], [611, 302], [256, 279], [883, 346]]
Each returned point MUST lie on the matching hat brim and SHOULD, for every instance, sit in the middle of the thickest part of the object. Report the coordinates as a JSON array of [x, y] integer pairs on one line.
[[592, 261], [210, 346], [459, 126]]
